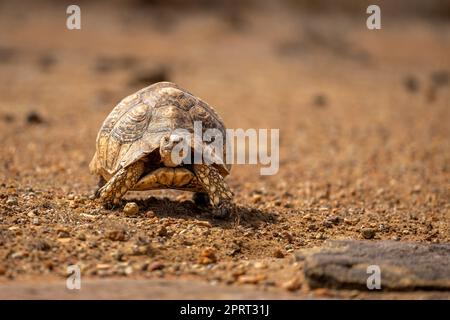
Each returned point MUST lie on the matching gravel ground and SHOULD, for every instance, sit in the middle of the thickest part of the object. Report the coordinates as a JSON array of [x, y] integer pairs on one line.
[[364, 141]]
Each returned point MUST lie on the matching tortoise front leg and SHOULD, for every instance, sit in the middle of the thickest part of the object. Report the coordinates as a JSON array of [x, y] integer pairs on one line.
[[124, 180], [217, 189]]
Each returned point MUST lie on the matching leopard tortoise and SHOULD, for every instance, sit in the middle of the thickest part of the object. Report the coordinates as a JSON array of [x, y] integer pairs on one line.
[[135, 144]]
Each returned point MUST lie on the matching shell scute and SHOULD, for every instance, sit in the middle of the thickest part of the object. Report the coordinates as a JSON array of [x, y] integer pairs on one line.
[[136, 125]]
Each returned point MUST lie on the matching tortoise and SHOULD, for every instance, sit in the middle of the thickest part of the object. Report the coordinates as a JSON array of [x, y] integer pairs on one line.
[[135, 144]]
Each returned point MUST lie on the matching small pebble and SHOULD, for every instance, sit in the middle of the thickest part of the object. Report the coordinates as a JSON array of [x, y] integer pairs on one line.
[[34, 118], [116, 235], [278, 254], [207, 256], [250, 279], [131, 209], [82, 237], [155, 266], [11, 202], [162, 231], [292, 285], [320, 100], [63, 234], [368, 233], [411, 83], [128, 270]]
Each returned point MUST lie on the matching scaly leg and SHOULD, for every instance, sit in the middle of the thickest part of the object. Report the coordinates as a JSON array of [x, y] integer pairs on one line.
[[218, 190], [124, 180]]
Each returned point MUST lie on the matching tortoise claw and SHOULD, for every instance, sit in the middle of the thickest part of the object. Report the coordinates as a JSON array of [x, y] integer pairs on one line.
[[223, 211]]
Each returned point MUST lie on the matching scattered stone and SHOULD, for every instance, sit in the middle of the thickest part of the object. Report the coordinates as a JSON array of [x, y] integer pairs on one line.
[[207, 256], [73, 204], [288, 236], [131, 209], [440, 78], [11, 202], [404, 266], [256, 198], [322, 292], [288, 248], [203, 223], [47, 61], [155, 266], [8, 117], [128, 270], [116, 235], [320, 100], [150, 214], [251, 279], [81, 236], [34, 118], [368, 233], [235, 248], [416, 189], [162, 231], [334, 219], [19, 255], [320, 236], [88, 216], [41, 245], [327, 224], [63, 234], [278, 254], [140, 250], [351, 222], [292, 285], [260, 265], [411, 83], [102, 266]]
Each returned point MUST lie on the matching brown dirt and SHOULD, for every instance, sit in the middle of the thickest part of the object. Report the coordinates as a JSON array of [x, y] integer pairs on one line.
[[364, 140]]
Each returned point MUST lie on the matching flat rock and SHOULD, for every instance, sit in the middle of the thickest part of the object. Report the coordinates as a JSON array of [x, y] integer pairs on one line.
[[403, 266]]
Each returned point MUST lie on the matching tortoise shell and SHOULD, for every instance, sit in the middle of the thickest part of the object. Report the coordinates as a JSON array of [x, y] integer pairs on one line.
[[134, 128]]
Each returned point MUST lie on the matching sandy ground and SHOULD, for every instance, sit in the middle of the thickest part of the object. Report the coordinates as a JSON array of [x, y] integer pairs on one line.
[[364, 142]]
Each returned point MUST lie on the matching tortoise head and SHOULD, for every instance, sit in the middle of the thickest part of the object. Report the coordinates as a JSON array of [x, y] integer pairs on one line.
[[171, 151]]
